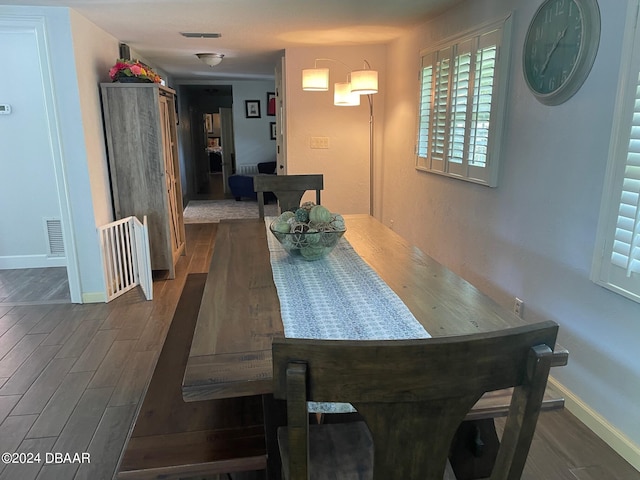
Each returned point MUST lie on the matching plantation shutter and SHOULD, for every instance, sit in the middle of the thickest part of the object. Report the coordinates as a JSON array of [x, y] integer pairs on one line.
[[426, 82], [439, 130], [626, 244], [616, 263], [458, 90], [458, 117]]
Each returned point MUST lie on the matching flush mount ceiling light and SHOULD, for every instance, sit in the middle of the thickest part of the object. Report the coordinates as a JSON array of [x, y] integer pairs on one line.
[[211, 59]]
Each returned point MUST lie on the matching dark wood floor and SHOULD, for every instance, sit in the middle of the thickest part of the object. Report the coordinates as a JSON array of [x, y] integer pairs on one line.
[[29, 286], [72, 378], [212, 189]]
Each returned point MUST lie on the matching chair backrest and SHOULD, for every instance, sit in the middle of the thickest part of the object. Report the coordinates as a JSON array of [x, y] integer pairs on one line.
[[413, 394], [289, 189]]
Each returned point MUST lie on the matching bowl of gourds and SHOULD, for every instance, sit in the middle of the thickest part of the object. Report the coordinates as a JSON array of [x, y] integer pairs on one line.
[[310, 232]]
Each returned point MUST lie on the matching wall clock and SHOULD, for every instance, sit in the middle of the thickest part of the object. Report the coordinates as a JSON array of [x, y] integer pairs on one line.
[[560, 47]]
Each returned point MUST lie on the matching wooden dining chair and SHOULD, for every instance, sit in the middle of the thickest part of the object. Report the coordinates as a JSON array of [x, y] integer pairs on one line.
[[412, 395], [289, 189]]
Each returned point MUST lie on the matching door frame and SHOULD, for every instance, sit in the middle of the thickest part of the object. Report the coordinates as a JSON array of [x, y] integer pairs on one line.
[[36, 24]]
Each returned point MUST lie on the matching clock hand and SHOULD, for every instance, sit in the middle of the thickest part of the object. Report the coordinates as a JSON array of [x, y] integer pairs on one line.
[[553, 48]]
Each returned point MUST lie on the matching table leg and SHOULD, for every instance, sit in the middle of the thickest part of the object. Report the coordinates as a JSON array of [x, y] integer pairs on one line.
[[474, 449], [275, 415]]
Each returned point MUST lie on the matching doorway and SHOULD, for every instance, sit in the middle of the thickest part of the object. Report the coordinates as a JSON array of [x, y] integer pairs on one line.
[[211, 154], [36, 185]]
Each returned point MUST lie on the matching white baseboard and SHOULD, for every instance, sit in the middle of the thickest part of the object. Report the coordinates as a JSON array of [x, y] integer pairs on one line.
[[31, 261], [617, 440], [94, 297]]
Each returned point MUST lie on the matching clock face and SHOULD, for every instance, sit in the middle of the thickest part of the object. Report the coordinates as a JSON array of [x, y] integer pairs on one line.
[[560, 48]]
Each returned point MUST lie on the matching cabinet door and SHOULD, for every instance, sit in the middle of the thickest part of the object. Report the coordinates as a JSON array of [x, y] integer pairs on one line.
[[172, 179]]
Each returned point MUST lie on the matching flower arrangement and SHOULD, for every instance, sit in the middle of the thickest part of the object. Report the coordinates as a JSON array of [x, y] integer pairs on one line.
[[133, 69]]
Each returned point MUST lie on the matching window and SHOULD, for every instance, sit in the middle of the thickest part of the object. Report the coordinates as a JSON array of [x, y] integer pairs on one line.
[[462, 86], [616, 263]]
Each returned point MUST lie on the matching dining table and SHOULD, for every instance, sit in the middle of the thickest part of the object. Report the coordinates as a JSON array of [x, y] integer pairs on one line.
[[241, 312]]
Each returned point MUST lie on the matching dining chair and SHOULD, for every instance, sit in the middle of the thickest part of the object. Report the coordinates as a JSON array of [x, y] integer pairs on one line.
[[412, 396], [289, 189]]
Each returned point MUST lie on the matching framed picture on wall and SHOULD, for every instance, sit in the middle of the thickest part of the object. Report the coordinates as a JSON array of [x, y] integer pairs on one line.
[[252, 108], [271, 104], [272, 129]]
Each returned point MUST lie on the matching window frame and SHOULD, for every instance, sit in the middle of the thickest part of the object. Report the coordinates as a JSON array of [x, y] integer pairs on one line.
[[604, 271], [486, 175]]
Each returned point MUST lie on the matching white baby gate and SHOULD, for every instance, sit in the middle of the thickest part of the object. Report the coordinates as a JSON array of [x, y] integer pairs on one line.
[[125, 256]]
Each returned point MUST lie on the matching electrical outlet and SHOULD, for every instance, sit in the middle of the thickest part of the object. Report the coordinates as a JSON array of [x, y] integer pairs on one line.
[[518, 307]]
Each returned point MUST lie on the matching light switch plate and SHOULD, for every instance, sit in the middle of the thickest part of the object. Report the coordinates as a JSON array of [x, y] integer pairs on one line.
[[319, 142], [5, 109]]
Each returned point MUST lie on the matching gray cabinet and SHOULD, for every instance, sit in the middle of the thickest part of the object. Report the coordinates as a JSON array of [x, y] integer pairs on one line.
[[140, 128]]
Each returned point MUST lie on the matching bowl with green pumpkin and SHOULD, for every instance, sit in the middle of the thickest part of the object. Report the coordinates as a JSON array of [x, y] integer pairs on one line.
[[311, 232]]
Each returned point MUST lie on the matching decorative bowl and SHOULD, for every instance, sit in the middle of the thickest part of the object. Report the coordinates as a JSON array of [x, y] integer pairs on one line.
[[308, 245]]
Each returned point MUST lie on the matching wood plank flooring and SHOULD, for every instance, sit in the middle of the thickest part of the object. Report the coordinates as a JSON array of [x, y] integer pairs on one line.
[[72, 378], [28, 286]]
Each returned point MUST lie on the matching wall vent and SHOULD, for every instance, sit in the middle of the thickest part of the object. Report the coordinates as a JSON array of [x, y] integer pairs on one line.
[[55, 240]]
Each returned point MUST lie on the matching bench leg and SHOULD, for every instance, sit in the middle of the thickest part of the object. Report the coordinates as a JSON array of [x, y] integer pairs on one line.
[[474, 449], [275, 415]]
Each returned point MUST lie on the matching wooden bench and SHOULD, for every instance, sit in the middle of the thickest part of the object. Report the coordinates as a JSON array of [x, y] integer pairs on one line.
[[174, 439]]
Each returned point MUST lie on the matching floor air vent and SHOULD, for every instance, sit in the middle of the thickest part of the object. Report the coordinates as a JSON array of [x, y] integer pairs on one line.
[[55, 241]]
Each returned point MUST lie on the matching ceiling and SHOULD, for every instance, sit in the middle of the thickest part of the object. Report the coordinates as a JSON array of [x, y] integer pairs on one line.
[[254, 32]]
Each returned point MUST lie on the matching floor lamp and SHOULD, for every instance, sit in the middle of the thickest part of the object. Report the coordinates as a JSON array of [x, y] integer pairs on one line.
[[347, 94]]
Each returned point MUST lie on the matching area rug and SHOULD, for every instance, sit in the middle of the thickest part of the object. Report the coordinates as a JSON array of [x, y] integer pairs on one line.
[[212, 211]]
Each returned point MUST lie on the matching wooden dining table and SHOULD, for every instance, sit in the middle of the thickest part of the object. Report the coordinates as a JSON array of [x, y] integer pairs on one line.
[[239, 315]]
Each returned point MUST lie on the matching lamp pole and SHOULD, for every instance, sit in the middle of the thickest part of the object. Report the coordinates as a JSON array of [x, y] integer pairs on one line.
[[370, 154]]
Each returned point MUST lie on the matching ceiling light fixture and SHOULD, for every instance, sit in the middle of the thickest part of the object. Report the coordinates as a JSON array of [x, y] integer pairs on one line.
[[211, 59], [200, 35]]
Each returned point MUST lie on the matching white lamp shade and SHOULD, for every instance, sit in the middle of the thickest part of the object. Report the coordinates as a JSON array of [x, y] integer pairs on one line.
[[364, 82], [315, 79], [343, 97]]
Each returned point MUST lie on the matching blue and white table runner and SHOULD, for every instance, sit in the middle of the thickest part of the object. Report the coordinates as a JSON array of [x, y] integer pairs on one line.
[[338, 297]]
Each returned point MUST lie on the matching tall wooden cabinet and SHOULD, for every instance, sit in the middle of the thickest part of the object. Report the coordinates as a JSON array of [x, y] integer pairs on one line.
[[140, 127]]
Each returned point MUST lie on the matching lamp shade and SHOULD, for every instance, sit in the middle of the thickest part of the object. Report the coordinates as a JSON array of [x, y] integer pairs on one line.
[[342, 96], [211, 59], [364, 82], [315, 79]]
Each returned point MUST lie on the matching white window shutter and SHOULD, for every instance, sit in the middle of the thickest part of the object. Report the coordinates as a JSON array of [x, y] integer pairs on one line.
[[626, 245], [616, 262], [460, 104]]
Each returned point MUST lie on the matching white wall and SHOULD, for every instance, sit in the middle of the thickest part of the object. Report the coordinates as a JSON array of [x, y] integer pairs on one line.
[[75, 71], [345, 164], [28, 190], [533, 236], [95, 52], [252, 135]]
